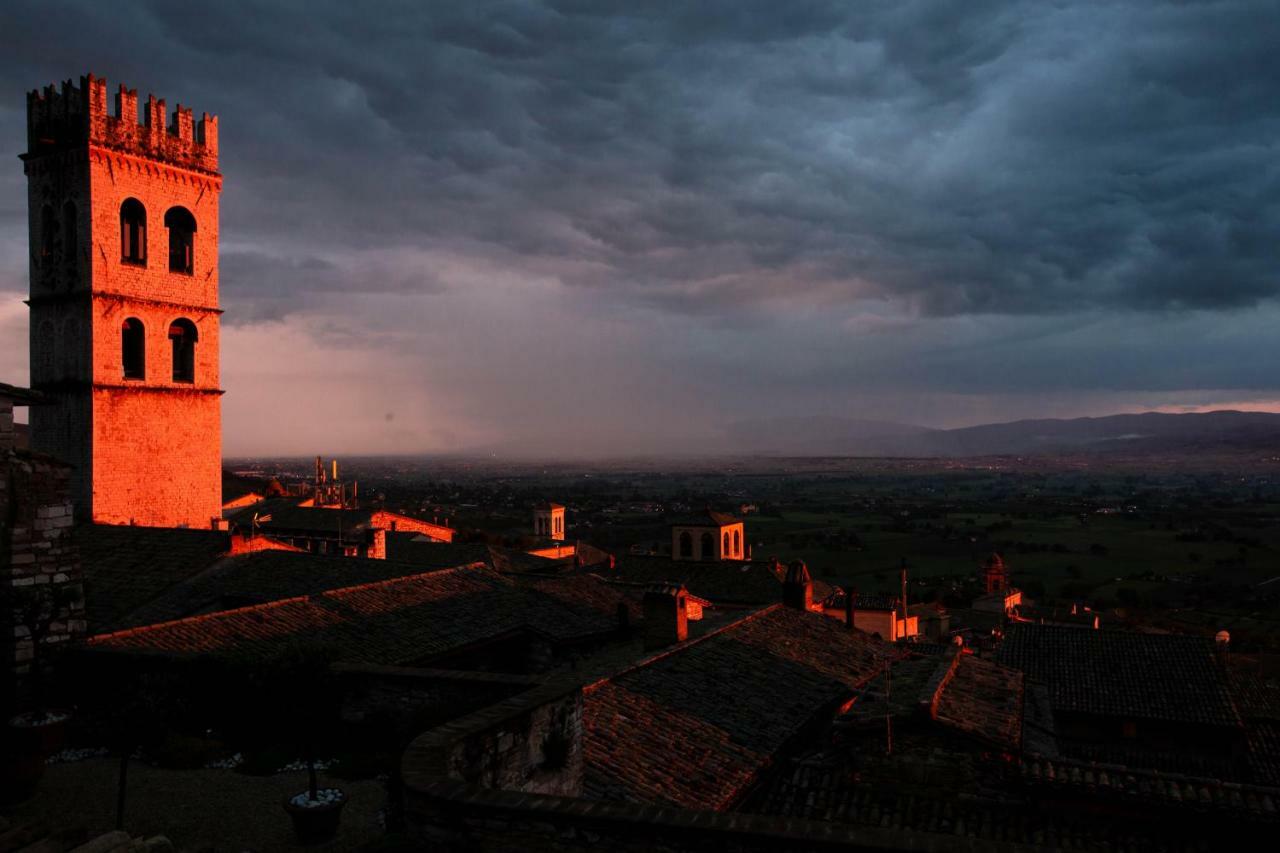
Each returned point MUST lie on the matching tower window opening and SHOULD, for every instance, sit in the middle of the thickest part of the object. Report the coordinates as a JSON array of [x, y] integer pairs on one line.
[[724, 552], [737, 544], [708, 546], [133, 232], [182, 335], [133, 349], [686, 544], [182, 240]]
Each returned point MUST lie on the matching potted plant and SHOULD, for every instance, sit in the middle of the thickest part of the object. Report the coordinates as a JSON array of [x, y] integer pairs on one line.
[[302, 695]]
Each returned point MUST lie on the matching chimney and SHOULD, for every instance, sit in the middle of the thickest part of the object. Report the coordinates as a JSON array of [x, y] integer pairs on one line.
[[666, 620], [850, 607], [377, 544], [797, 589], [1222, 645]]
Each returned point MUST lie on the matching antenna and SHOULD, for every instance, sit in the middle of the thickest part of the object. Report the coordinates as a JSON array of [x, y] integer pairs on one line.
[[904, 596]]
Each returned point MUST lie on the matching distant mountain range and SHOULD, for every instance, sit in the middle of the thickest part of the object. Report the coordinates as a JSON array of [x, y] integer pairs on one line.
[[1148, 432]]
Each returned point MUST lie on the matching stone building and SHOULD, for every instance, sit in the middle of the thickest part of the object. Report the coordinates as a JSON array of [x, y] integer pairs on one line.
[[41, 590], [124, 302], [548, 521], [708, 536]]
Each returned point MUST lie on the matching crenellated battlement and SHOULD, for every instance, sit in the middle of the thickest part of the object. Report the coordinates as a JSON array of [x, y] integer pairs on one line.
[[72, 116]]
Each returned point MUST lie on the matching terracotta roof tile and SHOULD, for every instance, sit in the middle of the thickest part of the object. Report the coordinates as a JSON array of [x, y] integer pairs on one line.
[[694, 727], [401, 620], [126, 567], [1119, 673]]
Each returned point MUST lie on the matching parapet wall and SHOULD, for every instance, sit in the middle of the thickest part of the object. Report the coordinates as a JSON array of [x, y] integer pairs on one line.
[[73, 116]]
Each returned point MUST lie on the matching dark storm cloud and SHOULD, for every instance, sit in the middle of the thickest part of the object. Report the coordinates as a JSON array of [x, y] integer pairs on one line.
[[691, 208], [957, 157]]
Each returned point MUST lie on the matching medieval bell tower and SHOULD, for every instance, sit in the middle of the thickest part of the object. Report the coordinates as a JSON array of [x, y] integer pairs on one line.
[[124, 303]]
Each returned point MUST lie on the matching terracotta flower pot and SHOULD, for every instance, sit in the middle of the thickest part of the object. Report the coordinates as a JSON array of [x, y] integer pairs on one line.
[[313, 823], [39, 732]]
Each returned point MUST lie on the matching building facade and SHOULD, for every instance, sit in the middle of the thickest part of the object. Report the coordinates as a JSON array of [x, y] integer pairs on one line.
[[124, 302]]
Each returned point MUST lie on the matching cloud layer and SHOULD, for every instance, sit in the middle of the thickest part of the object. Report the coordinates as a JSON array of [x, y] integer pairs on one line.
[[620, 226]]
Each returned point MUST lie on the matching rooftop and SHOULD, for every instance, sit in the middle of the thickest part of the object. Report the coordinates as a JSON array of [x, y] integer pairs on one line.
[[706, 518], [125, 567], [265, 576], [720, 581], [1167, 677], [695, 727], [403, 620]]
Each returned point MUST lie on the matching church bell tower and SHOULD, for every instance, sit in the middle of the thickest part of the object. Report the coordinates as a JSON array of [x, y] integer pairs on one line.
[[124, 302]]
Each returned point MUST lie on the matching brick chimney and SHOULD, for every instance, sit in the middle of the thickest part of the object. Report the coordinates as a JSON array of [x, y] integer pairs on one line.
[[797, 588], [666, 619]]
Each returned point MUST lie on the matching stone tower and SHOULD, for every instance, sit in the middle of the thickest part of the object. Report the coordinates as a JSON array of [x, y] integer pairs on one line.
[[548, 521], [124, 303]]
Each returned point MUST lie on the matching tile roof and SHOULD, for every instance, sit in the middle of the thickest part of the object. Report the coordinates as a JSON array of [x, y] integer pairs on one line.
[[830, 786], [264, 576], [1153, 786], [961, 692], [984, 700], [1257, 696], [864, 601], [125, 567], [694, 727], [1166, 677], [285, 515], [419, 550], [706, 518], [721, 581], [402, 620], [22, 396]]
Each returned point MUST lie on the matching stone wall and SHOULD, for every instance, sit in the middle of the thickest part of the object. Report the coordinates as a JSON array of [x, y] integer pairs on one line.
[[395, 521], [530, 742], [39, 566]]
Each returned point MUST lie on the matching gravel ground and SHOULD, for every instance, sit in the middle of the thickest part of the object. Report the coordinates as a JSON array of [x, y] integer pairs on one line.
[[217, 810]]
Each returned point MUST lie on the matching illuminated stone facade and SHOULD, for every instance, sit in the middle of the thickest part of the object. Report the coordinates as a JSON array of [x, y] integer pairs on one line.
[[124, 303]]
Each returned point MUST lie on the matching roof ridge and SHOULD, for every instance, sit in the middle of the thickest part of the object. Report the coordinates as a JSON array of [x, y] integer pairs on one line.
[[280, 602], [587, 688]]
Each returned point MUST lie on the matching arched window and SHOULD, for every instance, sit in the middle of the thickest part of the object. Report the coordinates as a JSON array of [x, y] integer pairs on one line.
[[133, 232], [133, 349], [686, 544], [724, 552], [182, 334], [69, 242], [737, 544], [708, 547], [48, 231], [182, 240]]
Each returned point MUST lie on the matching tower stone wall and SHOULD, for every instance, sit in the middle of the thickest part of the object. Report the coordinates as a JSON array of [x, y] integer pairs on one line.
[[144, 440]]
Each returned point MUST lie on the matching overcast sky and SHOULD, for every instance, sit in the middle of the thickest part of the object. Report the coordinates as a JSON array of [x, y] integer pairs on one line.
[[594, 227]]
